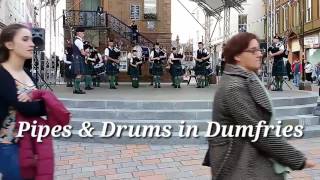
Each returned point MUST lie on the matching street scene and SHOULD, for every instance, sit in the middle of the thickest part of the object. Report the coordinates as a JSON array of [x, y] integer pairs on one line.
[[160, 89]]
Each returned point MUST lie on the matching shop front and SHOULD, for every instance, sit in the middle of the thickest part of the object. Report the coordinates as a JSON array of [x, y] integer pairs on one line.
[[312, 50]]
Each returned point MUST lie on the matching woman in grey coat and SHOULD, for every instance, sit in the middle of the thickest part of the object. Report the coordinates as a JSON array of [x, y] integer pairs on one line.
[[241, 99]]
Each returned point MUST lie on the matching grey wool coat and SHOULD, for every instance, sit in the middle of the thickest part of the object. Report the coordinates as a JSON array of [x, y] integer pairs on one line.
[[242, 100]]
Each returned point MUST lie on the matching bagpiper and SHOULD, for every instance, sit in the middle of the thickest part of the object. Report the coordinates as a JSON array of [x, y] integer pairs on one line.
[[156, 57], [175, 60], [134, 69], [202, 58], [78, 63], [112, 58]]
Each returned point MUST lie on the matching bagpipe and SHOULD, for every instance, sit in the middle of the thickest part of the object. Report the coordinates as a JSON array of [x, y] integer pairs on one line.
[[275, 47]]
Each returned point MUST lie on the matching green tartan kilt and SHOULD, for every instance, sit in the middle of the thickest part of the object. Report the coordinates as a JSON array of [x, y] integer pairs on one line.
[[176, 70], [134, 72], [78, 66], [200, 70], [89, 69], [157, 70], [112, 69]]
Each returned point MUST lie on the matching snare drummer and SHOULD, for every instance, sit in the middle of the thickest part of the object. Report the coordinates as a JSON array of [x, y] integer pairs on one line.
[[134, 69], [89, 60], [97, 61]]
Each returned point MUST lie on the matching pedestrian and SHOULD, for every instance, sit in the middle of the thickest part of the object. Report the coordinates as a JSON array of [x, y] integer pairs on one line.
[[241, 99], [296, 70], [309, 69]]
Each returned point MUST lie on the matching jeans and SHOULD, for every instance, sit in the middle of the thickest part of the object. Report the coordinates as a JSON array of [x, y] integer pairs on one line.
[[9, 162], [296, 79]]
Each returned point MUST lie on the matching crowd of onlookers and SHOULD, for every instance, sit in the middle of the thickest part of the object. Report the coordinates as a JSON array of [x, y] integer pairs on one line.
[[303, 71]]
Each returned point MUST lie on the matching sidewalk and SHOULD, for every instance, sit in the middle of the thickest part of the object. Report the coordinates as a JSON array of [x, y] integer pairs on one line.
[[151, 162]]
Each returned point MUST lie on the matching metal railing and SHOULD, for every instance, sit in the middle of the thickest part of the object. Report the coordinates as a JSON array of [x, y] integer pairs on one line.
[[93, 19]]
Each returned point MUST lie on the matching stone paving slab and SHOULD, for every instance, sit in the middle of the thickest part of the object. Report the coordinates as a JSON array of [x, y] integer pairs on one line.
[[89, 161]]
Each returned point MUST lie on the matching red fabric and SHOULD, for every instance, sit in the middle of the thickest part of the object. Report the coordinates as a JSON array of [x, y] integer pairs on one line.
[[37, 159], [293, 67]]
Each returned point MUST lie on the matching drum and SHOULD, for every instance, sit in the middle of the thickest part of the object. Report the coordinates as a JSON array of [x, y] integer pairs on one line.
[[100, 69]]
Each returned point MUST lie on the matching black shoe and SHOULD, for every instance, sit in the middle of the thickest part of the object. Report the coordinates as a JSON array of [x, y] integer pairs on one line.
[[159, 86], [78, 92], [179, 86], [151, 84], [116, 84], [69, 85], [88, 88], [198, 86]]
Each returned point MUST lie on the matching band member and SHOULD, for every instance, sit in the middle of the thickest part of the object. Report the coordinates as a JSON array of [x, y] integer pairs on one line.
[[112, 57], [89, 60], [78, 64], [67, 66], [97, 72], [175, 60], [278, 68], [134, 69], [202, 59], [156, 57], [118, 53]]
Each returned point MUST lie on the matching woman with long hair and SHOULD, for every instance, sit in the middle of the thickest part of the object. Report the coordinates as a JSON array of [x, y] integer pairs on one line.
[[16, 47]]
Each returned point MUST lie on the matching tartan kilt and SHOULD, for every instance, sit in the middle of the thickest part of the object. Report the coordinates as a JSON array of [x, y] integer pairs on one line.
[[200, 70], [209, 71], [278, 68], [134, 72], [78, 66], [111, 69], [157, 70], [176, 70], [90, 69], [67, 71], [150, 68]]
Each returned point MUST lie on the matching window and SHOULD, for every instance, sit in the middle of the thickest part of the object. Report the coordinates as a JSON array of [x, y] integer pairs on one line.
[[150, 9], [277, 21], [134, 12], [242, 23], [296, 15], [285, 17], [308, 11]]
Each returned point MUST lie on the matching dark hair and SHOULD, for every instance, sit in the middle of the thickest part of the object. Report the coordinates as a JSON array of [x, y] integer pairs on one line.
[[174, 48], [236, 45], [200, 43], [7, 34]]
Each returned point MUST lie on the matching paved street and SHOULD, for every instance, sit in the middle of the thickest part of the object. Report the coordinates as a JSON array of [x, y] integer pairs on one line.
[[151, 162]]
